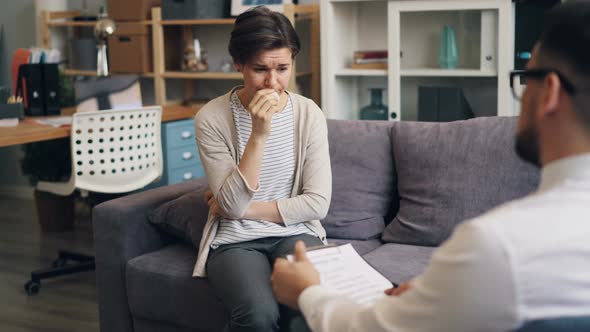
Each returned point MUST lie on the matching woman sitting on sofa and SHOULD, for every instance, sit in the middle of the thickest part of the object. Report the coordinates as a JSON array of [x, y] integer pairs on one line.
[[265, 154]]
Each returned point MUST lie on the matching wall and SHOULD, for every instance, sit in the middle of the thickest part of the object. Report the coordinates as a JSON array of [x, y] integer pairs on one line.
[[18, 19]]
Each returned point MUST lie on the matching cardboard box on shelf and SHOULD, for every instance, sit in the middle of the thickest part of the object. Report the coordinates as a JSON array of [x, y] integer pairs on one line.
[[194, 9], [131, 10], [130, 49]]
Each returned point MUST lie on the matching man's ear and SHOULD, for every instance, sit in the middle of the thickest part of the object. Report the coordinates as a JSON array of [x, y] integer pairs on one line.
[[238, 67], [551, 94]]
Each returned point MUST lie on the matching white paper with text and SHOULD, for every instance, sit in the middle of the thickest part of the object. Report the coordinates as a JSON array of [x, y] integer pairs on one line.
[[343, 270]]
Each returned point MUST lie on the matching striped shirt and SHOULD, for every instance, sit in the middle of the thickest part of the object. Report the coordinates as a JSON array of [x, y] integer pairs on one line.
[[276, 176]]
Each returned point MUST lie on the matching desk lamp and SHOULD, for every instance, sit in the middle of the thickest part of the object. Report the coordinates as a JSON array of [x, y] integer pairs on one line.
[[102, 30]]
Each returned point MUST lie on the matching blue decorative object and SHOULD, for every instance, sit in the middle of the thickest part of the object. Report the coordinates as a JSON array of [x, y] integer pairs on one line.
[[524, 55], [376, 110], [449, 54]]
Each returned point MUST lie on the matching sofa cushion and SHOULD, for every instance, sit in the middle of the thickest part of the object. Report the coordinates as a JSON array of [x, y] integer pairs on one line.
[[450, 172], [363, 179], [361, 246], [399, 262], [160, 287], [183, 217]]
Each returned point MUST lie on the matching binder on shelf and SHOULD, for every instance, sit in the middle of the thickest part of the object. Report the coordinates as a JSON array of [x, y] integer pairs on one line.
[[38, 84], [51, 89], [29, 85]]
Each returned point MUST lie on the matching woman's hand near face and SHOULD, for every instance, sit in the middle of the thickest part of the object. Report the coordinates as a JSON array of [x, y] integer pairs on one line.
[[263, 106]]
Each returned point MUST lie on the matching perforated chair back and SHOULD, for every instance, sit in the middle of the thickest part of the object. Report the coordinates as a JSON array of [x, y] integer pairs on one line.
[[116, 151]]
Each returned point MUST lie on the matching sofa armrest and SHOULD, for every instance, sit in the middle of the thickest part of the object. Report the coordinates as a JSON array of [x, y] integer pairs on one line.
[[121, 232]]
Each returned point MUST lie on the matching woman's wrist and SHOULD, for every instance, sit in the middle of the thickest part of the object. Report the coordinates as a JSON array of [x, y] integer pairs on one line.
[[258, 138], [267, 211]]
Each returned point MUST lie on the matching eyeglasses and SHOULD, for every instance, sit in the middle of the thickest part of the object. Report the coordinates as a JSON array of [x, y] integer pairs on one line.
[[519, 78]]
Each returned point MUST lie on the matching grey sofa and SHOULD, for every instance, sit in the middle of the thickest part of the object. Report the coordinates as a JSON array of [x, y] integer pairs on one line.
[[398, 191]]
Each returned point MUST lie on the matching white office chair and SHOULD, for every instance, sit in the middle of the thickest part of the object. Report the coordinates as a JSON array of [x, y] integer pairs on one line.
[[114, 151]]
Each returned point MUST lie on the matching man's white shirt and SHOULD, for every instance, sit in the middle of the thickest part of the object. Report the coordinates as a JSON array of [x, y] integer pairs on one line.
[[525, 260]]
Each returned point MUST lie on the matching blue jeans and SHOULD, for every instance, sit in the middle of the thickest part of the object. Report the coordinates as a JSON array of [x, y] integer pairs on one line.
[[240, 276]]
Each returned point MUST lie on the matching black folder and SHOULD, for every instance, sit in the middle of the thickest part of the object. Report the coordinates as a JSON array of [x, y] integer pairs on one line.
[[442, 104], [38, 84]]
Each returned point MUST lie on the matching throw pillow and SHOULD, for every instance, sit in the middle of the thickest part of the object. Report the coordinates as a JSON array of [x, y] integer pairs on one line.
[[183, 217], [363, 179], [451, 172]]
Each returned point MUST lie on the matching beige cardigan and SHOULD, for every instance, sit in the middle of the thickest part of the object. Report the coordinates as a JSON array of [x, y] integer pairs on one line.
[[218, 148]]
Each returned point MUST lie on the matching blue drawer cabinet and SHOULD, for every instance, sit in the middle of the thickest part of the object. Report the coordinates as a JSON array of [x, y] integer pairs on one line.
[[178, 133], [186, 174], [181, 156]]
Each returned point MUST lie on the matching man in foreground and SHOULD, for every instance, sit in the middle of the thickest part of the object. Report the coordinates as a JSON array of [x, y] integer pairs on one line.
[[525, 260]]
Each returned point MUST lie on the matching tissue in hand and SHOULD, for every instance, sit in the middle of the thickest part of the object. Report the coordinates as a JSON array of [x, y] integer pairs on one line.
[[276, 95]]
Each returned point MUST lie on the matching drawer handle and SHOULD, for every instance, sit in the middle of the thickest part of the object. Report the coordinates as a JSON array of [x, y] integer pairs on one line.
[[187, 155], [186, 134], [188, 175]]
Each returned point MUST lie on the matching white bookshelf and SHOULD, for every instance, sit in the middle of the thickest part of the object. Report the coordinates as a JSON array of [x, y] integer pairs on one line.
[[361, 72], [410, 31], [436, 72]]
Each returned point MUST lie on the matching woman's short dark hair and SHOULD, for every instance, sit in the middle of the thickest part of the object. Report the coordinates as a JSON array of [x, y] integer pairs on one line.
[[260, 29]]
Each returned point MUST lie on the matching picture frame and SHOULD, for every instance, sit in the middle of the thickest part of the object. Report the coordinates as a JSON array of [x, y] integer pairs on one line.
[[240, 6]]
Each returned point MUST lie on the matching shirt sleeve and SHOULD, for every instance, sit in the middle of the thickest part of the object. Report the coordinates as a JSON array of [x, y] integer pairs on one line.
[[314, 201], [230, 188], [468, 286]]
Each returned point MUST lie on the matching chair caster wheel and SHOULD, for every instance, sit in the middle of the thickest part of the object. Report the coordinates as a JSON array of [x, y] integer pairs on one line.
[[59, 262], [32, 287]]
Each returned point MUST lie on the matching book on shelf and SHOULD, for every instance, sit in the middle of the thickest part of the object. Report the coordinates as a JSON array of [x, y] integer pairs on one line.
[[373, 65], [381, 60], [370, 55], [369, 60]]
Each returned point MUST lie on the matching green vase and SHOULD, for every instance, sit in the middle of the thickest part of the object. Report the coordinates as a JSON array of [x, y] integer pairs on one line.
[[376, 110], [449, 54]]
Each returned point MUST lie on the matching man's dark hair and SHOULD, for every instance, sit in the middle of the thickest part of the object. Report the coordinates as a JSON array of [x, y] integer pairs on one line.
[[260, 29], [565, 45]]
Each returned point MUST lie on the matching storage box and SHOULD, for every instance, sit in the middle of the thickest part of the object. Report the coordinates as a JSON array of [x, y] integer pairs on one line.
[[10, 111], [130, 48], [194, 9], [131, 10]]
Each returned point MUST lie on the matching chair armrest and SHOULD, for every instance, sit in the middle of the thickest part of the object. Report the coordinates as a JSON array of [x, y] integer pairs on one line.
[[121, 232]]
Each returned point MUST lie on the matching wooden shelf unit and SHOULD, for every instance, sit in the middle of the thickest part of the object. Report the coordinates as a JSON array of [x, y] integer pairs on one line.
[[295, 13], [220, 21], [77, 72], [436, 72], [202, 75], [211, 75]]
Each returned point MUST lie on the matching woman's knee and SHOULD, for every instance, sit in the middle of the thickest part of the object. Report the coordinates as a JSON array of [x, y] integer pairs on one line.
[[255, 316]]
